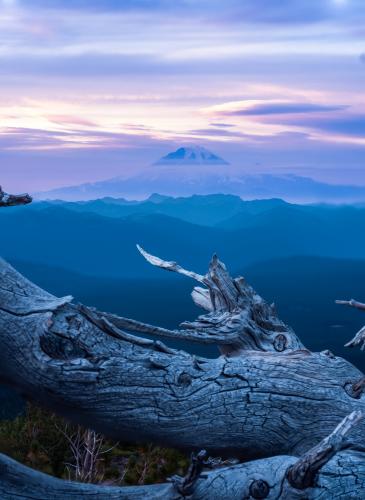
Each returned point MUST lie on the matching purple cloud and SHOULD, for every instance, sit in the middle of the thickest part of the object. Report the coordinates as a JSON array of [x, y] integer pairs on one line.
[[216, 132], [352, 125], [258, 11], [283, 108], [25, 138], [223, 125]]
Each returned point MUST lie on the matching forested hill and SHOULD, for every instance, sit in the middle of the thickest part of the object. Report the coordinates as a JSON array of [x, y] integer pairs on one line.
[[98, 238]]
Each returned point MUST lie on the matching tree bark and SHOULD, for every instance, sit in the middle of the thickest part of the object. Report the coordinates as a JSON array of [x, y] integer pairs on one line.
[[331, 470], [250, 404]]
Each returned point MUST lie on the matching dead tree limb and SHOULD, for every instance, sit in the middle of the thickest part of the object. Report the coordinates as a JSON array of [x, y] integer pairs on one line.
[[303, 473], [332, 469], [80, 364], [359, 339], [10, 200], [238, 319], [351, 303]]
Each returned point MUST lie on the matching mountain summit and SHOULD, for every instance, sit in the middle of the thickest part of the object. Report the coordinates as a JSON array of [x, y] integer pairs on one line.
[[190, 156]]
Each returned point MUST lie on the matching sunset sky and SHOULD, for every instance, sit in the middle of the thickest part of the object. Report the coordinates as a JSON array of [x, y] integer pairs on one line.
[[92, 89]]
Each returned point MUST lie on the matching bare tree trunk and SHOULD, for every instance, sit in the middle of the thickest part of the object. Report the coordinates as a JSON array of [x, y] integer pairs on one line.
[[330, 470], [76, 361]]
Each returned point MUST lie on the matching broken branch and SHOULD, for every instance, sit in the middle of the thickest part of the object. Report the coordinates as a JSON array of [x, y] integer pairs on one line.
[[11, 200]]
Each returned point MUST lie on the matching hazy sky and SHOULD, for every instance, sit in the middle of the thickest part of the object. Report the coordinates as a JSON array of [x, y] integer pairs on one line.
[[96, 88]]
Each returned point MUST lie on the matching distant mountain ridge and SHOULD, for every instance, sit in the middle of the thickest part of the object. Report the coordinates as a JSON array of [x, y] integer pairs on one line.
[[172, 180], [210, 210], [81, 237], [194, 170]]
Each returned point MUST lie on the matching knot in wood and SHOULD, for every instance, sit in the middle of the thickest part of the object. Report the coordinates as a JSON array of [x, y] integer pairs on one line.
[[74, 321], [355, 390], [57, 347], [329, 354], [280, 343], [184, 379], [259, 489]]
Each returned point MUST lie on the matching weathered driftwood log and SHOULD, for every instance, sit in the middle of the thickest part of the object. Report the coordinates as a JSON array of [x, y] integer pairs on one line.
[[332, 469], [10, 200], [257, 402]]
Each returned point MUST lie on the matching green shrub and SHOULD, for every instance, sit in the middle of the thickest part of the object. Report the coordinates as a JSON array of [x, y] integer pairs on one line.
[[41, 440]]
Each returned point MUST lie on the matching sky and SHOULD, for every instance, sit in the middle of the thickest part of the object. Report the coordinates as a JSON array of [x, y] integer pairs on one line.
[[92, 89]]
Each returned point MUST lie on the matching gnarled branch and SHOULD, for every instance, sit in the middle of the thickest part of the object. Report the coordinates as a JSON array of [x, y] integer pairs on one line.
[[359, 339], [351, 303], [238, 320], [302, 474], [327, 471], [83, 366], [10, 200]]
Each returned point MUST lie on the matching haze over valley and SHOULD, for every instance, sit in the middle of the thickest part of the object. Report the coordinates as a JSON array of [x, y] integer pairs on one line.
[[196, 170]]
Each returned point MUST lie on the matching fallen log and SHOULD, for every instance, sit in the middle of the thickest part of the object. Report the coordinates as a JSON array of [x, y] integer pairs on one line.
[[255, 401], [334, 468]]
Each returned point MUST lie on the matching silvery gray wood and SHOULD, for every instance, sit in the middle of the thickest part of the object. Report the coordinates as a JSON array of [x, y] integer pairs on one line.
[[252, 404], [328, 471], [359, 339]]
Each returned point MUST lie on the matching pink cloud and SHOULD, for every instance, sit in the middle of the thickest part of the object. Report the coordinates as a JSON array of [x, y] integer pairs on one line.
[[71, 120]]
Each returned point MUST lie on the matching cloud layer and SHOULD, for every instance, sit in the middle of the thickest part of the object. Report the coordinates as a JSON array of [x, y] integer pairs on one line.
[[143, 76], [266, 11]]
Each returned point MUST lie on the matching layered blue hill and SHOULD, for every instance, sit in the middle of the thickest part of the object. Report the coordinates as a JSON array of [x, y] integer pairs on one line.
[[79, 238]]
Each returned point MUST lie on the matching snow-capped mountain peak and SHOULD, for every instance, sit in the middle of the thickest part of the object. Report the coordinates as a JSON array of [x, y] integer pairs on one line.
[[190, 155]]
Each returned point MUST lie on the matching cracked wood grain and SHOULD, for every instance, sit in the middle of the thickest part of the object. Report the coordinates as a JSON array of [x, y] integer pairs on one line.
[[254, 405], [238, 318], [334, 473]]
